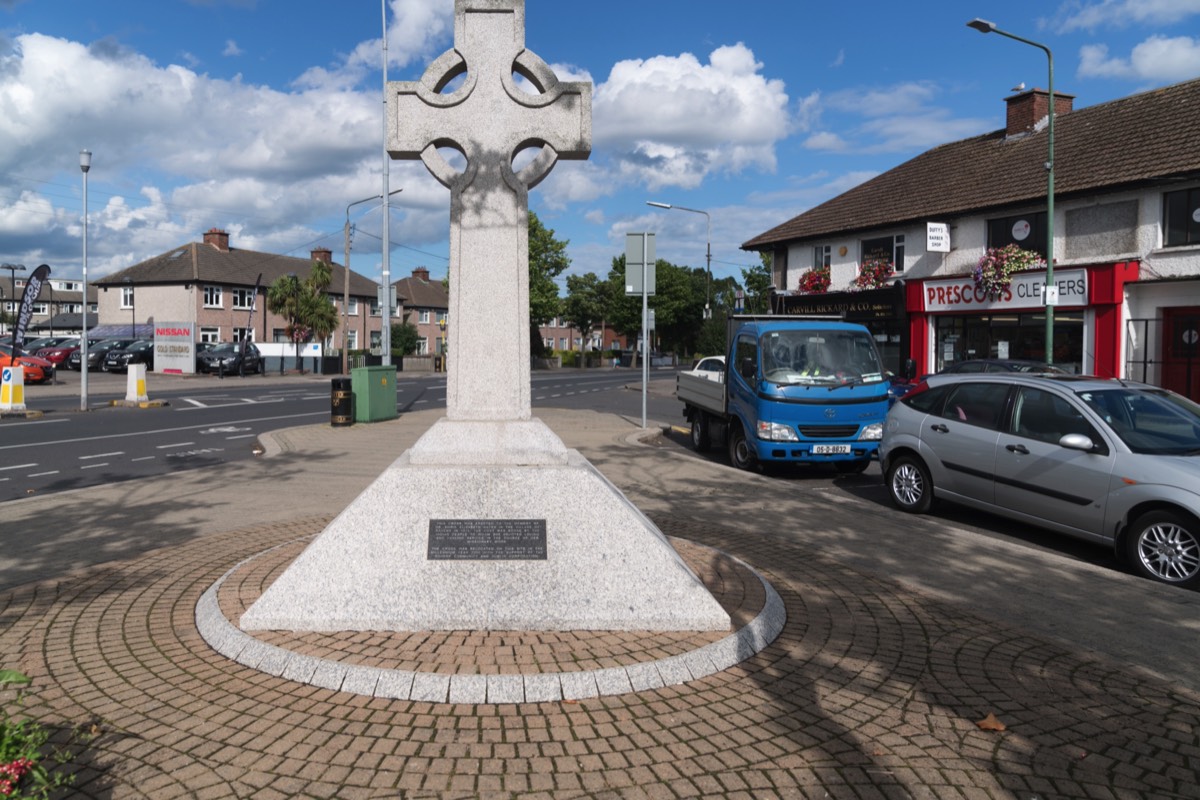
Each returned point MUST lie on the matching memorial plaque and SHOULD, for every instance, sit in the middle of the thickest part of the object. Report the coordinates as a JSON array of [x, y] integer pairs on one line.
[[487, 540]]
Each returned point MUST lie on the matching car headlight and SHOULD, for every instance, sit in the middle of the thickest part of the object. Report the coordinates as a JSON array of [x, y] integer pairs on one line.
[[871, 433], [776, 432]]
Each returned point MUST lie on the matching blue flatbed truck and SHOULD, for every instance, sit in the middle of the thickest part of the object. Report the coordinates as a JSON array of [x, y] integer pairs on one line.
[[806, 390]]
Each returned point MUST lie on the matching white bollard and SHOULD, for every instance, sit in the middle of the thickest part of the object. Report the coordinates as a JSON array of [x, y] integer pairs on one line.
[[12, 389], [135, 385]]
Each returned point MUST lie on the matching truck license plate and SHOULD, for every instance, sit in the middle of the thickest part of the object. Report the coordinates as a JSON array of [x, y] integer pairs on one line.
[[830, 449]]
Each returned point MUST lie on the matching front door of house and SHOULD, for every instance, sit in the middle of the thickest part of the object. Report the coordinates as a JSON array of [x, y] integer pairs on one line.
[[1181, 351]]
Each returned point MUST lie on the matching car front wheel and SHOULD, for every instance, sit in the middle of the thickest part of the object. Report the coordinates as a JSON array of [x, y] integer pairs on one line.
[[1165, 546], [909, 485]]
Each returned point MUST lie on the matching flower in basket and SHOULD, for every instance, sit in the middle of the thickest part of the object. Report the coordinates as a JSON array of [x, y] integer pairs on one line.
[[815, 281], [994, 271], [872, 274]]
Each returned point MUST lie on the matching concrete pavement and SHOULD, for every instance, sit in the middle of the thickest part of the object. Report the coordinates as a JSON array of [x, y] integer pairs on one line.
[[901, 634]]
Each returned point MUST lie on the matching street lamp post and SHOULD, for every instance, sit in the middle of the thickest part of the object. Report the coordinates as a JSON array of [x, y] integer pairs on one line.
[[85, 163], [346, 285], [1050, 293], [13, 269], [707, 251]]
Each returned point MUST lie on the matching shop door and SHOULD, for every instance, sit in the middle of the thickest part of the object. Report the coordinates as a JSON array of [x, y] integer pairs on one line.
[[1181, 351]]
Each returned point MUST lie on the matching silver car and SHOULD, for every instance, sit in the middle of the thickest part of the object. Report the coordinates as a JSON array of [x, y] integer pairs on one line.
[[1110, 461]]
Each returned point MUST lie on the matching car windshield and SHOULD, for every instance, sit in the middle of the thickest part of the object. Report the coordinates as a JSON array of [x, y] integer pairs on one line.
[[1150, 421], [830, 357]]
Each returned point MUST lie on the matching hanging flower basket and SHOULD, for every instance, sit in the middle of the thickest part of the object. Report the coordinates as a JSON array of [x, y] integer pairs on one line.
[[815, 281], [872, 274], [994, 271]]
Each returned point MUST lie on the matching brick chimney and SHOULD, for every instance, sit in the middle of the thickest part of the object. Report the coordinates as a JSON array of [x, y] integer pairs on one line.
[[218, 239], [322, 254], [421, 274], [1027, 109]]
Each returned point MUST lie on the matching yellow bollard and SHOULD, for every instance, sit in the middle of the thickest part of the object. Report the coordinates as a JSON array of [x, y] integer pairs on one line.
[[12, 389]]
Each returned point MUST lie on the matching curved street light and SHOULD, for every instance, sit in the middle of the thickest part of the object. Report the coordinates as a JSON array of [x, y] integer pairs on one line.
[[1050, 293], [707, 250], [85, 164]]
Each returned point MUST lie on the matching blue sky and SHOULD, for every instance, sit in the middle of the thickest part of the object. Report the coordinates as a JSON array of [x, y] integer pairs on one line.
[[263, 117]]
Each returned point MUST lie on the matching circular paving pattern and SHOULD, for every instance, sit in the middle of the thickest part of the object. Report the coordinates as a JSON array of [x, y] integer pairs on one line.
[[493, 666]]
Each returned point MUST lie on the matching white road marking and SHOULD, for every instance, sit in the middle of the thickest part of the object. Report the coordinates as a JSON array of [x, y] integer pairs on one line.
[[169, 446], [93, 466], [41, 474], [143, 458], [242, 436], [19, 466], [103, 455]]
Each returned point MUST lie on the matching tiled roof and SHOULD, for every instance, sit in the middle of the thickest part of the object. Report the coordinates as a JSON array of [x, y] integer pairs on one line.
[[416, 293], [197, 262], [1142, 138]]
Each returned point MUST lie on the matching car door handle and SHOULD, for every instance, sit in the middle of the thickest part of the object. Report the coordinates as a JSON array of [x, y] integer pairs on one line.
[[939, 428], [1017, 448]]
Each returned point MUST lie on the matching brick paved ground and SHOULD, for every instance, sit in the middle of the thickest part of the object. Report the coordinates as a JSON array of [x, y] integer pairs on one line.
[[871, 691]]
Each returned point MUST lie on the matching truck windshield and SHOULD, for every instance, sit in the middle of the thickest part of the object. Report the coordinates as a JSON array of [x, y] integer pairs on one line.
[[820, 357]]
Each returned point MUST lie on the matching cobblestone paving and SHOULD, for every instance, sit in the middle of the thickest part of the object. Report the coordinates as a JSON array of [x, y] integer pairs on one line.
[[870, 691]]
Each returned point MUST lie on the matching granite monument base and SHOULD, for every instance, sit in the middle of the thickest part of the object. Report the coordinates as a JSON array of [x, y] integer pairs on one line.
[[488, 526]]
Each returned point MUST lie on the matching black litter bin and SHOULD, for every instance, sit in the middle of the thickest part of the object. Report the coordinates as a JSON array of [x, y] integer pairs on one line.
[[341, 403]]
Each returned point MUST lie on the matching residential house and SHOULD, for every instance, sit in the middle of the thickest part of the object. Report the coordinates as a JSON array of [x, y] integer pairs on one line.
[[213, 286], [425, 305], [1126, 230], [57, 310]]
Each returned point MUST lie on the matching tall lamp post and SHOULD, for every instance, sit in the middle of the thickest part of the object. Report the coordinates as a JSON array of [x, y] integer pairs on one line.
[[13, 269], [1050, 293], [85, 163], [707, 250], [346, 285]]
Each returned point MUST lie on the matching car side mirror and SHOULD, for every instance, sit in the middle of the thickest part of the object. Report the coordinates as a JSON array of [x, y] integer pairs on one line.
[[1077, 441]]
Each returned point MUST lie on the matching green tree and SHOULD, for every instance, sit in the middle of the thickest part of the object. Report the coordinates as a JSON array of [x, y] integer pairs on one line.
[[758, 282], [283, 298], [404, 338], [547, 260], [317, 309], [306, 306], [584, 306]]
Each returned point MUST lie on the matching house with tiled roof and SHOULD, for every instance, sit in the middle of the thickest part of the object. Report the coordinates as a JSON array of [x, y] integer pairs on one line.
[[212, 285], [425, 304], [1126, 230]]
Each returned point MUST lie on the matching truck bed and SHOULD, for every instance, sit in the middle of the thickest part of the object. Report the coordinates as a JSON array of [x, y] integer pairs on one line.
[[700, 392]]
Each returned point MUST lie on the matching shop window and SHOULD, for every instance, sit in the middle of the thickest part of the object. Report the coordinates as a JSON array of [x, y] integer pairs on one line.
[[822, 256], [1181, 217], [1026, 231], [887, 248]]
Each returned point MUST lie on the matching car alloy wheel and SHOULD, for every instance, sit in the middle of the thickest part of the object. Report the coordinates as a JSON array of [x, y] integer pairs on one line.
[[909, 485], [1164, 546]]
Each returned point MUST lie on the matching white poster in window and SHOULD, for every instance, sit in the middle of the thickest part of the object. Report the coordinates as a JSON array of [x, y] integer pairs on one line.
[[1021, 229], [1002, 350], [937, 237]]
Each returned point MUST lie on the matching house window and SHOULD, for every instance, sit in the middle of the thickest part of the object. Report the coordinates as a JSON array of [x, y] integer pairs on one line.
[[352, 307], [376, 339], [351, 340], [1181, 217], [888, 248], [822, 256], [423, 316], [243, 333], [212, 297], [562, 343], [41, 309], [126, 297], [210, 335], [422, 346], [376, 309], [279, 335], [1026, 231], [242, 299]]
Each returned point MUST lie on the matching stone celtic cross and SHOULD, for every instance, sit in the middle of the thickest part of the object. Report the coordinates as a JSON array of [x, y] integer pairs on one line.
[[489, 119]]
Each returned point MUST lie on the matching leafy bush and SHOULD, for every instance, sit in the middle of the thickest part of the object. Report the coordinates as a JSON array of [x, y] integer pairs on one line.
[[23, 771]]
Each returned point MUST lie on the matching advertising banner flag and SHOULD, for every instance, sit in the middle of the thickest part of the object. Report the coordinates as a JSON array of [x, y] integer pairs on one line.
[[33, 287]]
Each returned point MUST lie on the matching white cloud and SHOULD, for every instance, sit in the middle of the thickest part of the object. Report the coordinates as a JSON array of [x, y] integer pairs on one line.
[[1122, 13], [1159, 58], [671, 120], [231, 48], [825, 140], [898, 118]]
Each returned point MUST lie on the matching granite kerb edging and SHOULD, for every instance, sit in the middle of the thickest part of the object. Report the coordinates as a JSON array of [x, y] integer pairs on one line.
[[238, 646]]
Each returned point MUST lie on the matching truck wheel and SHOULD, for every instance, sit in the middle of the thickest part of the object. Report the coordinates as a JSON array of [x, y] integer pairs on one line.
[[701, 432], [741, 453]]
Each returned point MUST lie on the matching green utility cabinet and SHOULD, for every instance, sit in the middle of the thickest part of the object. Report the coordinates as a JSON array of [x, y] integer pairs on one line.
[[374, 393]]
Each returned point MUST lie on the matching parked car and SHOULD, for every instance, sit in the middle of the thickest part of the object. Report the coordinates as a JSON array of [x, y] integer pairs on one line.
[[139, 352], [37, 370], [59, 353], [712, 368], [227, 357], [1106, 460], [32, 346], [96, 353]]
